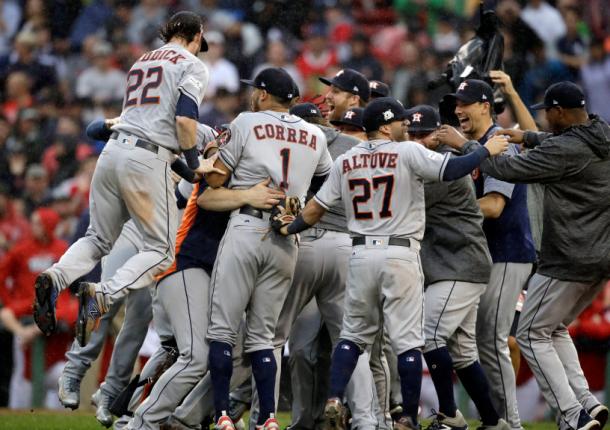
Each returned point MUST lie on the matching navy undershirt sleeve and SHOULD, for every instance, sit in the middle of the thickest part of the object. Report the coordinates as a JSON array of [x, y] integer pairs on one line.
[[461, 166], [187, 107], [97, 130]]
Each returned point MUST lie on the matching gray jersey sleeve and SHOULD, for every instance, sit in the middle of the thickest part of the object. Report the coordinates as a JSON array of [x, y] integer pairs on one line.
[[427, 165], [194, 81], [330, 193], [324, 165], [493, 185], [205, 134], [233, 143]]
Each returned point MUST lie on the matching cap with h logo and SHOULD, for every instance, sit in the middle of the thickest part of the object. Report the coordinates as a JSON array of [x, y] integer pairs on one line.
[[423, 118], [351, 81], [351, 117], [473, 91], [381, 111]]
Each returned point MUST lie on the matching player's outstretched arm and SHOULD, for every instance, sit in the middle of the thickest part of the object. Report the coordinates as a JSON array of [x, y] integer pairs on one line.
[[222, 199]]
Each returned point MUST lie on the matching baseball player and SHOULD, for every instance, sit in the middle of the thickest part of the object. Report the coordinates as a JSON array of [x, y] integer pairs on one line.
[[457, 265], [384, 278], [507, 229], [574, 263], [350, 89], [350, 123], [138, 312], [132, 177], [253, 269]]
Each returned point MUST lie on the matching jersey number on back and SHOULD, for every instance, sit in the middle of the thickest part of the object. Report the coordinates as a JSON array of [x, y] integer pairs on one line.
[[386, 181], [153, 78]]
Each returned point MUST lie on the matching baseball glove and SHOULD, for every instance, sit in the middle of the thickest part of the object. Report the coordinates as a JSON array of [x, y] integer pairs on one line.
[[284, 213]]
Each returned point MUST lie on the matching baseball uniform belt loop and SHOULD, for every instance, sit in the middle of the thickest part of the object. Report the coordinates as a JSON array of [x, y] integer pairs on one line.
[[256, 213], [393, 241]]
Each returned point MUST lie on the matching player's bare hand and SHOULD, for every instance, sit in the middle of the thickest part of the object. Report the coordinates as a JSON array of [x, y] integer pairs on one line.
[[450, 136], [497, 145], [207, 166], [514, 135], [503, 81], [261, 196]]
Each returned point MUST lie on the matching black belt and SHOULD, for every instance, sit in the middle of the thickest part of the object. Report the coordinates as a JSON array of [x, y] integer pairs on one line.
[[140, 143], [252, 211], [394, 241]]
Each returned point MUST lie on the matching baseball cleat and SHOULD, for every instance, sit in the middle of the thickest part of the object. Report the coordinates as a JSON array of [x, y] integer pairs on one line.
[[89, 312], [270, 424], [599, 413], [443, 422], [44, 303], [102, 403], [501, 425], [586, 422], [396, 411], [69, 391], [334, 415], [224, 422], [405, 423]]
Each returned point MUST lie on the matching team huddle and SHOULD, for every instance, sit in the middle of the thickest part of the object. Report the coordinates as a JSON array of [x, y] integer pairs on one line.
[[410, 240]]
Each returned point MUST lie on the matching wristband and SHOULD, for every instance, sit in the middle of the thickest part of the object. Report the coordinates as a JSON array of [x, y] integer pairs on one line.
[[298, 225], [183, 170], [192, 157]]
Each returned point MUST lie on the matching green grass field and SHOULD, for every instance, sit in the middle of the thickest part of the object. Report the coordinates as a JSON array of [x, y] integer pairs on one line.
[[51, 420]]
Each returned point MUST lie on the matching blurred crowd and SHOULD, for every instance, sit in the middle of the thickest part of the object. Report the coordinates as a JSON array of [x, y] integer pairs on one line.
[[63, 64]]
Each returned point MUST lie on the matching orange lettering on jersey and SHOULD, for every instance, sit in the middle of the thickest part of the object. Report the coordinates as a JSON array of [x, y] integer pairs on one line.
[[374, 158], [346, 166], [145, 57], [168, 53], [279, 132], [302, 137], [313, 142], [259, 129], [355, 162], [156, 55], [392, 161], [292, 135], [383, 158]]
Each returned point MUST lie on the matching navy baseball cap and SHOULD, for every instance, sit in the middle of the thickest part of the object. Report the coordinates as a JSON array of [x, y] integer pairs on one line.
[[473, 91], [381, 111], [275, 81], [306, 110], [562, 94], [423, 118], [351, 117], [351, 81], [379, 89]]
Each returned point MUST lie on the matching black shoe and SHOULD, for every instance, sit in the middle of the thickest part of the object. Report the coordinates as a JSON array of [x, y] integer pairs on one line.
[[600, 414], [44, 304], [585, 422]]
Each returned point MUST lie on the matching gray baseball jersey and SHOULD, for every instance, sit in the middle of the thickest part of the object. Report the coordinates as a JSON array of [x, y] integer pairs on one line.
[[154, 85], [367, 177], [268, 144]]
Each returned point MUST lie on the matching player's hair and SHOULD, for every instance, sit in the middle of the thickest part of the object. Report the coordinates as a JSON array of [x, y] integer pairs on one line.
[[281, 100], [184, 25]]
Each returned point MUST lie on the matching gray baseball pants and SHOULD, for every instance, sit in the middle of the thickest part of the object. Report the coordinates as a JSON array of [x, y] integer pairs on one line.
[[163, 329], [253, 271], [138, 314], [128, 182], [494, 320], [551, 305], [450, 319], [184, 298]]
